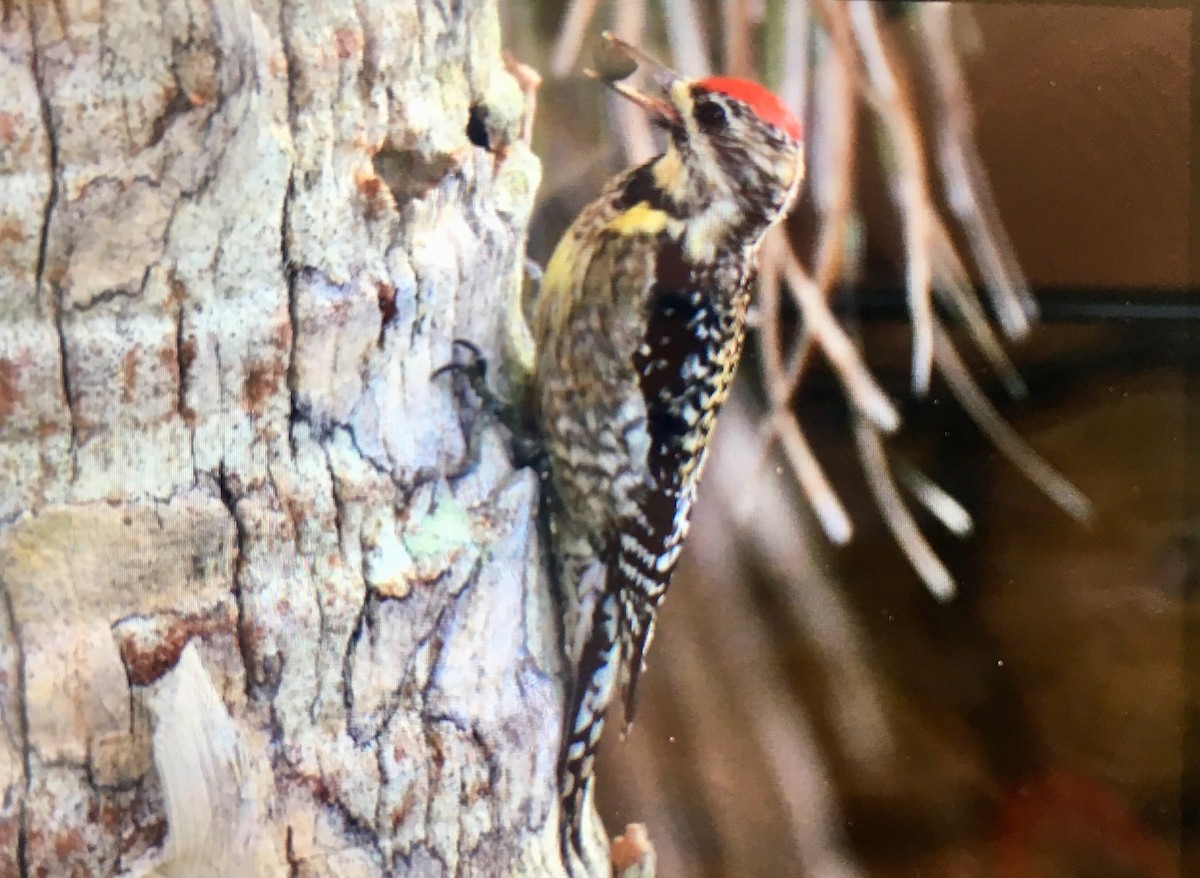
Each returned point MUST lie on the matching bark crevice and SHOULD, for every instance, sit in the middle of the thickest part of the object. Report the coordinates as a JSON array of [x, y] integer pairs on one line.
[[53, 171], [229, 499]]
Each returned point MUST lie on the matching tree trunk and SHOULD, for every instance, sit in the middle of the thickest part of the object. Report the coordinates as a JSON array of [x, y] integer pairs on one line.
[[250, 624]]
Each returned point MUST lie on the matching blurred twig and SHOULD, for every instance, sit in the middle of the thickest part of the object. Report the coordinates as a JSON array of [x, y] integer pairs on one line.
[[686, 38], [633, 124], [565, 53], [895, 513], [888, 97], [967, 191], [779, 727], [1003, 436]]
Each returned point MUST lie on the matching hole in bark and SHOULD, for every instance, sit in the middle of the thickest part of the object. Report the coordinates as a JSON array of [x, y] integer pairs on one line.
[[477, 131]]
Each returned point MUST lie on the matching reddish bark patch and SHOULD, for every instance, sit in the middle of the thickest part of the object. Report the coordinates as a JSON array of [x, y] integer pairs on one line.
[[252, 638], [282, 336], [68, 843], [178, 291], [129, 377], [317, 788], [148, 657], [348, 41], [144, 837], [11, 233], [8, 843], [8, 127], [8, 389], [299, 512], [370, 186], [262, 380], [187, 354], [374, 194]]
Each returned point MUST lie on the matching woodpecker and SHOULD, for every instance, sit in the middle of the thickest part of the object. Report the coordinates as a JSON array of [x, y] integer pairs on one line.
[[637, 331]]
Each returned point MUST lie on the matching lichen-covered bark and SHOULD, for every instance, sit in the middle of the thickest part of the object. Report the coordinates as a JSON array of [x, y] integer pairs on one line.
[[238, 586]]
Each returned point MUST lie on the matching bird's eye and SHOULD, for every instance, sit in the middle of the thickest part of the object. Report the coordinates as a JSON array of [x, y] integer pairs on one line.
[[711, 116]]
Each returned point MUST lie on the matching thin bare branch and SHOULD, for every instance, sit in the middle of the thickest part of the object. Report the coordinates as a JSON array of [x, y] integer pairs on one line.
[[864, 393], [830, 168], [822, 328], [530, 81], [685, 36], [781, 728], [830, 144], [781, 541], [954, 290], [896, 515], [967, 190], [1004, 437], [739, 18], [897, 117], [633, 125], [934, 498], [825, 503], [769, 280], [797, 54], [803, 464], [565, 54]]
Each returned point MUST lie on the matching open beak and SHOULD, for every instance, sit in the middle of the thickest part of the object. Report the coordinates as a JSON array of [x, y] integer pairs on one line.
[[661, 110]]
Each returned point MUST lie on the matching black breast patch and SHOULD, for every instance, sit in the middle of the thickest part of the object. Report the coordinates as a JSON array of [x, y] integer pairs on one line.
[[676, 365]]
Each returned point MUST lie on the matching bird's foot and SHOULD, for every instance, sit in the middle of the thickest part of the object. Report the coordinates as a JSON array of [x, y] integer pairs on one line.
[[471, 380]]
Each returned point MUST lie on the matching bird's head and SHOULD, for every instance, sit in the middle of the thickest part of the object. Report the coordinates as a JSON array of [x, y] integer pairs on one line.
[[729, 139]]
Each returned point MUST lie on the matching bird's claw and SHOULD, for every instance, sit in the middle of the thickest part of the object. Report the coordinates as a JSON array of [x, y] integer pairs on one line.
[[474, 372], [476, 364]]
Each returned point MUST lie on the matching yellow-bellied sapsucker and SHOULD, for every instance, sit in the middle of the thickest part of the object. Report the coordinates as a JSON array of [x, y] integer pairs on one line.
[[638, 329]]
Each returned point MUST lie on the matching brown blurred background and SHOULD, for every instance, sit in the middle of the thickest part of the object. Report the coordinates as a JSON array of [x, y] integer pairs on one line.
[[811, 711]]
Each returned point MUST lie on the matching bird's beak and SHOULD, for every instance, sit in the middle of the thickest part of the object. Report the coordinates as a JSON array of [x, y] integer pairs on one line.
[[661, 110]]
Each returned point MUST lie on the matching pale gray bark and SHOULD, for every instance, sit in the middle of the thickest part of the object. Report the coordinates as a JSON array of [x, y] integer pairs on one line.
[[250, 627]]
